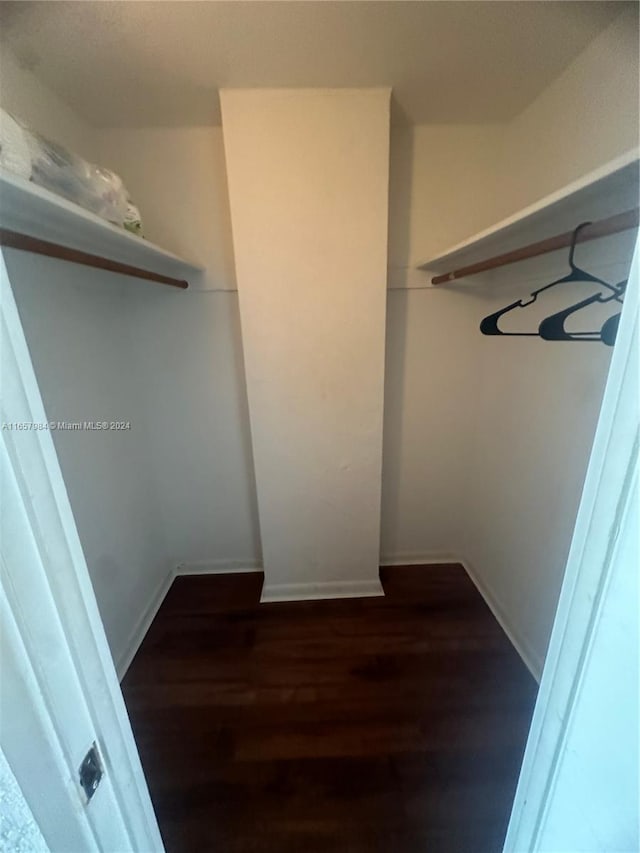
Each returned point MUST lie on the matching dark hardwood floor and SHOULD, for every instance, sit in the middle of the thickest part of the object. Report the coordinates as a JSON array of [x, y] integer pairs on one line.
[[380, 725]]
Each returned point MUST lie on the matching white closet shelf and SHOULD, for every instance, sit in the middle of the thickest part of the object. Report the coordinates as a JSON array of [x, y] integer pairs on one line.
[[36, 220], [599, 195]]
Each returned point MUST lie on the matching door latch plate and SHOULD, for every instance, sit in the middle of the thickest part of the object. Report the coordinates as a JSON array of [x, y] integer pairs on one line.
[[91, 772]]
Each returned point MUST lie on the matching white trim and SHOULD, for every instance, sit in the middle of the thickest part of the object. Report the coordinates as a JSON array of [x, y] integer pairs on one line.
[[219, 567], [139, 631], [416, 558], [326, 591], [529, 656], [320, 591]]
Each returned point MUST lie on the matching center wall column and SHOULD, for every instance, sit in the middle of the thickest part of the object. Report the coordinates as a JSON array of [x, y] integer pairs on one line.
[[308, 173]]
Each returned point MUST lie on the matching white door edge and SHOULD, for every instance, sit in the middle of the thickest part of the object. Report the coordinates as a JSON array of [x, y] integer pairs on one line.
[[31, 457], [603, 508]]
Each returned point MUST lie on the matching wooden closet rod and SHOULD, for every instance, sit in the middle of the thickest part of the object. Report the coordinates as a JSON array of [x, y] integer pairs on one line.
[[612, 225], [25, 243]]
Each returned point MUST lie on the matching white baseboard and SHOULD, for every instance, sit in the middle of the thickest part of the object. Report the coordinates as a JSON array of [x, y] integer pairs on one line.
[[140, 630], [325, 590], [530, 658], [414, 558], [219, 567]]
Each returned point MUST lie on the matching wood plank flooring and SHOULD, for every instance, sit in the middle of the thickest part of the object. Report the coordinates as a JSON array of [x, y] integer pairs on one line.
[[386, 725]]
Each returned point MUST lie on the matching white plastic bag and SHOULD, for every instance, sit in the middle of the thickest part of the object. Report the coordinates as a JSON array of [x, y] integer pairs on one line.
[[54, 167], [133, 220], [92, 187], [15, 153]]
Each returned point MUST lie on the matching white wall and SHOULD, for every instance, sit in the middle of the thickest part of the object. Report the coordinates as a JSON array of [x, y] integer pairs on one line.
[[489, 466], [429, 392], [308, 186], [80, 344], [451, 181], [179, 352], [536, 403], [530, 434], [446, 183], [442, 189], [589, 115], [196, 339], [24, 95], [177, 177], [189, 347]]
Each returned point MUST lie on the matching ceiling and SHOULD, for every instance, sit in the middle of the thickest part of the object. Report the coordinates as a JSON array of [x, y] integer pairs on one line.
[[162, 63]]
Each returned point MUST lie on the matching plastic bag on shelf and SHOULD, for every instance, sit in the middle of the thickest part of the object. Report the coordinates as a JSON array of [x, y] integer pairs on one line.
[[92, 187], [15, 153], [59, 170], [133, 220]]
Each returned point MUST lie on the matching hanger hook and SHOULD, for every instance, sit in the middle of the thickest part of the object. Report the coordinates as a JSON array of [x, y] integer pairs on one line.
[[573, 243]]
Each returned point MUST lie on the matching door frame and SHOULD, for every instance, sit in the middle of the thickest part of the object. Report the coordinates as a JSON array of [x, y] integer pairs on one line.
[[605, 508], [64, 642]]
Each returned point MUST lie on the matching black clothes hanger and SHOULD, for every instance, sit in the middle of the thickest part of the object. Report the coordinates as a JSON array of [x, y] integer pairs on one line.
[[489, 326], [609, 330], [552, 327]]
